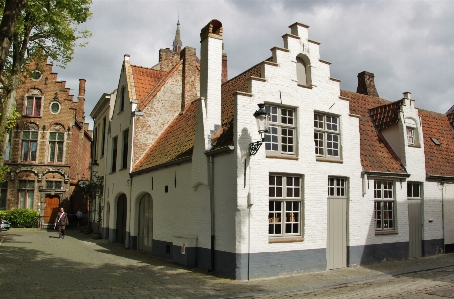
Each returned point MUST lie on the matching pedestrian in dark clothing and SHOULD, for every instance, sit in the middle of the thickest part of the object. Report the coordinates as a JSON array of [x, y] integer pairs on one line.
[[61, 222]]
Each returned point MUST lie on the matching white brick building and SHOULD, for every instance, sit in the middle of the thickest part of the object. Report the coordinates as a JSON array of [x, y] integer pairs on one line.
[[339, 180]]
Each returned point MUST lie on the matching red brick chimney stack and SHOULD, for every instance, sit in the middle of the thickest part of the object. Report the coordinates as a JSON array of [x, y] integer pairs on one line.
[[366, 84], [82, 88]]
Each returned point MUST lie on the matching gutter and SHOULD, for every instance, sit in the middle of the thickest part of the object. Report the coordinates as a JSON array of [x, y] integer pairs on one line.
[[390, 174], [163, 165]]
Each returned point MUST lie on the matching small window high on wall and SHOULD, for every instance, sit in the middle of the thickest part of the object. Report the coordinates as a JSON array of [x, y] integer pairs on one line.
[[303, 71]]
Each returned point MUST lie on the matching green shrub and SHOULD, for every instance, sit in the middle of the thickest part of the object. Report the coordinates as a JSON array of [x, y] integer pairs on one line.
[[20, 217]]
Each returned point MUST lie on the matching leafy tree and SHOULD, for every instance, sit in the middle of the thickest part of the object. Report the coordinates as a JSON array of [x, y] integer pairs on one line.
[[44, 29]]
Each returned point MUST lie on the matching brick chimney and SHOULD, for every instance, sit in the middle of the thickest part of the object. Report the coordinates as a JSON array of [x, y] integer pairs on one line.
[[191, 76], [366, 84], [225, 73], [211, 72], [168, 59], [80, 113]]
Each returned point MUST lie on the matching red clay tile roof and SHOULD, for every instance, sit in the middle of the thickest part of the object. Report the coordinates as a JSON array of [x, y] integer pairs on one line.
[[224, 136], [144, 80], [142, 104], [387, 115], [439, 158], [176, 142], [375, 155]]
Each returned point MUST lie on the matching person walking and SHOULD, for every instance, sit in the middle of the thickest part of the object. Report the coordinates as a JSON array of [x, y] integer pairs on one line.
[[61, 222], [79, 217]]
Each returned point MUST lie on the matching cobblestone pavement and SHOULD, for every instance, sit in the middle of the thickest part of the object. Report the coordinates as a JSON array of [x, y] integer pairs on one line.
[[36, 264]]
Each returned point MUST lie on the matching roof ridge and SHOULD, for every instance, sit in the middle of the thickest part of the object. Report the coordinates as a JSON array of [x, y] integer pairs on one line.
[[158, 86]]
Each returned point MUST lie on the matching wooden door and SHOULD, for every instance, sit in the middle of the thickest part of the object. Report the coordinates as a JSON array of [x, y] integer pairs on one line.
[[415, 227], [336, 249], [145, 235], [51, 210], [121, 220]]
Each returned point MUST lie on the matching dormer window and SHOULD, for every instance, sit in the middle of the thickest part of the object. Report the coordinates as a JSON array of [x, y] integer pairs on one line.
[[411, 129], [411, 136]]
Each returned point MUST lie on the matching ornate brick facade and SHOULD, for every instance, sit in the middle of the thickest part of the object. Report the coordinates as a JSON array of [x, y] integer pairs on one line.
[[49, 148]]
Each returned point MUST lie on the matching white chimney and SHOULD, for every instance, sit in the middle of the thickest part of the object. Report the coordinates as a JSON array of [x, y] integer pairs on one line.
[[211, 74]]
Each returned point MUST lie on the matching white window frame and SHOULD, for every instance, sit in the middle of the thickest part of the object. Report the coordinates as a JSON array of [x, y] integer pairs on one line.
[[30, 143], [385, 216], [325, 134], [411, 135], [337, 187], [285, 212], [29, 195], [411, 190], [281, 139], [34, 112], [54, 147]]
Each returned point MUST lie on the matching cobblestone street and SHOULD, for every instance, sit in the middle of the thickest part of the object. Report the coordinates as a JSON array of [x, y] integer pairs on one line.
[[36, 264]]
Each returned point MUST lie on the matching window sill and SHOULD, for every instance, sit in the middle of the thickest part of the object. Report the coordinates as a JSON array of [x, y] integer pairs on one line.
[[305, 86], [281, 157], [329, 160], [285, 240], [414, 145], [391, 232], [32, 116]]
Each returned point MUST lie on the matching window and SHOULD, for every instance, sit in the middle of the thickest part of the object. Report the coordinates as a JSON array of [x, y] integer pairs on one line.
[[26, 193], [411, 138], [3, 195], [103, 140], [281, 137], [413, 190], [337, 187], [124, 160], [33, 106], [114, 154], [8, 148], [326, 135], [122, 99], [29, 145], [54, 185], [56, 141], [384, 205], [284, 206], [55, 107]]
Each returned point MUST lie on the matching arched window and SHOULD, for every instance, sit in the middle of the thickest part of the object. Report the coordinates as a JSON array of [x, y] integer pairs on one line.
[[303, 70]]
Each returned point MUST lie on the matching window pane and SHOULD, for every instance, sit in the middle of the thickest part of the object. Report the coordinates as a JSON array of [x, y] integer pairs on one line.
[[34, 147], [25, 150], [57, 185], [52, 136], [52, 152], [60, 136], [60, 152], [34, 135], [30, 199]]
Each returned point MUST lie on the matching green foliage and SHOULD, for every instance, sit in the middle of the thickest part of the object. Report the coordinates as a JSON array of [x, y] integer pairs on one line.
[[94, 187], [46, 29], [20, 217]]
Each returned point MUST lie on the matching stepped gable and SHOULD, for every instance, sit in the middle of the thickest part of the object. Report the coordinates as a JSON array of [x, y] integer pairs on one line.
[[176, 142], [144, 80], [224, 136], [375, 155], [439, 158]]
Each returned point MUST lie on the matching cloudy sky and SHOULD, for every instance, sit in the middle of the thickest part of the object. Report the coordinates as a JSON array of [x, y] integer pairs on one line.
[[408, 45]]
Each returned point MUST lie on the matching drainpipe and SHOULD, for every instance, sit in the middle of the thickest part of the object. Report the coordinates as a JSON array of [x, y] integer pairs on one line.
[[442, 183]]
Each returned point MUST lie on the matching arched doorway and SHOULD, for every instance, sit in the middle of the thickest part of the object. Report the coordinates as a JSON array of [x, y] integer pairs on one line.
[[145, 234], [121, 219]]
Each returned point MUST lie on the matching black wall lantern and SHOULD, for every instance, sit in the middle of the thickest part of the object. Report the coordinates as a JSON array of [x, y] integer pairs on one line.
[[262, 117]]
